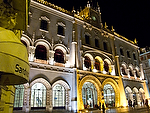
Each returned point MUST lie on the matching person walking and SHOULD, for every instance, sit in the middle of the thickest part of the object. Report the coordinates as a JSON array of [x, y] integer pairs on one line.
[[103, 105]]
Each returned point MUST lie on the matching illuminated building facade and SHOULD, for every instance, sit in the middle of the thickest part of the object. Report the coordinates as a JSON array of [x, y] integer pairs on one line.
[[145, 60], [75, 61]]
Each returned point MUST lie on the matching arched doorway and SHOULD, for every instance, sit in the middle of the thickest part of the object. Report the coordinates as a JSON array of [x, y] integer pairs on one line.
[[129, 95], [109, 95], [89, 95], [38, 96], [59, 97], [142, 96], [19, 95]]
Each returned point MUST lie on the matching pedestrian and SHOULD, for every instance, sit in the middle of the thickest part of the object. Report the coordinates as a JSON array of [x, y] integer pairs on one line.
[[103, 106], [146, 103]]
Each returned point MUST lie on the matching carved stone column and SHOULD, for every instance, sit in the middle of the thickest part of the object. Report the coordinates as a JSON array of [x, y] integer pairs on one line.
[[49, 106], [68, 100], [27, 100], [31, 53]]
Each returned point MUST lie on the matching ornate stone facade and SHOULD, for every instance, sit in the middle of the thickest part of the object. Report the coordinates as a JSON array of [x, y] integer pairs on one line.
[[75, 57]]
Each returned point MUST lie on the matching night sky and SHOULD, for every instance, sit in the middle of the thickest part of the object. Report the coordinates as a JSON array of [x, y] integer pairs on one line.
[[130, 18]]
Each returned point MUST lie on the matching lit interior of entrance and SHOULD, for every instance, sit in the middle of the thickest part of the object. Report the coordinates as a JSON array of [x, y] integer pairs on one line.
[[89, 95], [109, 95], [59, 97], [38, 96]]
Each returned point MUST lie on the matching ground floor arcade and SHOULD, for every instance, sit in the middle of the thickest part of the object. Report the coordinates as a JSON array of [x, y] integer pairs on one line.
[[40, 94]]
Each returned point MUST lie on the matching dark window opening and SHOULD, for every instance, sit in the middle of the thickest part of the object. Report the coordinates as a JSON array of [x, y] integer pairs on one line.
[[106, 66], [128, 54], [97, 64], [41, 52], [134, 56], [87, 62], [123, 71], [130, 72], [137, 73], [44, 25], [121, 52], [87, 39], [60, 30], [96, 43], [105, 45], [59, 56]]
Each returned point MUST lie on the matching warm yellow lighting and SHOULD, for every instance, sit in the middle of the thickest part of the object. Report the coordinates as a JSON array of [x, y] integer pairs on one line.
[[94, 70]]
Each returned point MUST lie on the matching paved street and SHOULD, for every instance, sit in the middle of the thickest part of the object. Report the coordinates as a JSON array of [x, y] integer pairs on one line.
[[116, 110]]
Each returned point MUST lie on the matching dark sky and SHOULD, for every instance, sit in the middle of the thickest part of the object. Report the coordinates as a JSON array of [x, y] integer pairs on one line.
[[130, 18]]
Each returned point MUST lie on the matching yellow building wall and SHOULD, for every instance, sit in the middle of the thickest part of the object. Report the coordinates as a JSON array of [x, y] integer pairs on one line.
[[7, 99]]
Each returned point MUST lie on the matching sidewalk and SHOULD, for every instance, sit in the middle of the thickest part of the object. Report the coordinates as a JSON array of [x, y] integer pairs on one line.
[[112, 110], [119, 110]]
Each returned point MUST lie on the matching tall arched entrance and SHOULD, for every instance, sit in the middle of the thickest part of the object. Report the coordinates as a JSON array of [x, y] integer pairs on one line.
[[38, 96], [59, 97], [89, 95], [111, 92], [89, 92], [109, 95]]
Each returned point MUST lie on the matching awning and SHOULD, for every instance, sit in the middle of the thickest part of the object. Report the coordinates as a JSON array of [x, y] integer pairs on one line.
[[14, 66]]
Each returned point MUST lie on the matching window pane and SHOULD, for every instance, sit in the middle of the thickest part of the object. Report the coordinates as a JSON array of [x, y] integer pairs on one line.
[[38, 95], [60, 30], [41, 52], [97, 64], [96, 43], [19, 94], [105, 46], [59, 56], [87, 39], [121, 52], [44, 25], [87, 62], [128, 54], [106, 66], [59, 96]]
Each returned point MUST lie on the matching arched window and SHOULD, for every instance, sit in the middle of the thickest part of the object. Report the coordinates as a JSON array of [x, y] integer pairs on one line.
[[38, 96], [130, 72], [44, 25], [87, 62], [19, 93], [106, 66], [59, 56], [89, 95], [105, 45], [97, 64], [41, 52], [123, 70], [137, 73], [109, 95], [59, 97]]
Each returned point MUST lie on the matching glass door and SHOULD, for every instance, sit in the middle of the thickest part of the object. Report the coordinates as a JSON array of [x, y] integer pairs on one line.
[[58, 97], [38, 96]]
